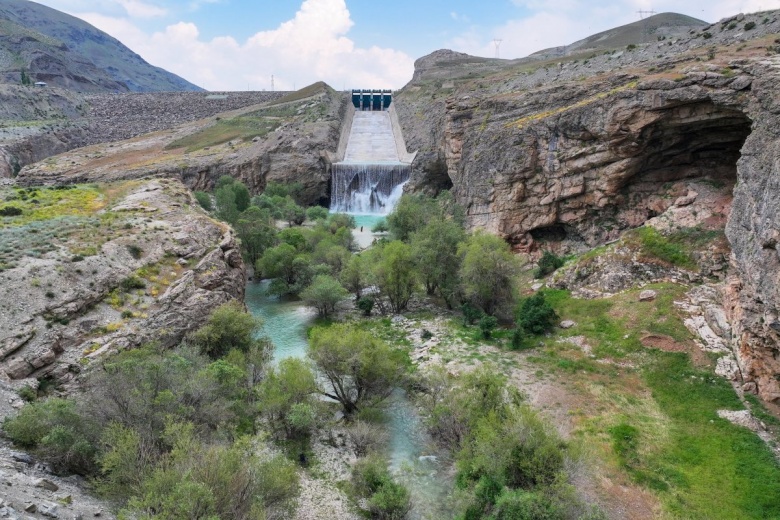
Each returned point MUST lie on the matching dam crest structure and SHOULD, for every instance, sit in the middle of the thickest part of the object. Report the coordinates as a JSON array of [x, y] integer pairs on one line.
[[372, 165]]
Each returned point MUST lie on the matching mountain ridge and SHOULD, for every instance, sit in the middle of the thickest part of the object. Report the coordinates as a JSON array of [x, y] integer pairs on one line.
[[62, 50]]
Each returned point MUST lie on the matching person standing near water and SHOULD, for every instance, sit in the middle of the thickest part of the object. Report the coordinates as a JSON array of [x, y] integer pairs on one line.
[[361, 229]]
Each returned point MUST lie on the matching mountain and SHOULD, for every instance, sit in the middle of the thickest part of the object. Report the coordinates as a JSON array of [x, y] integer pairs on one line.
[[65, 51], [659, 26]]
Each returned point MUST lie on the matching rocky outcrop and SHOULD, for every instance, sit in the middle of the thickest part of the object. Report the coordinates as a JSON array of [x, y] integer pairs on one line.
[[569, 153], [153, 268], [293, 152]]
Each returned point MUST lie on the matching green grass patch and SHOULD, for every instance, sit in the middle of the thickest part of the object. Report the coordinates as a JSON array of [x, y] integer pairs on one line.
[[712, 468], [38, 204], [243, 128], [306, 92], [663, 248]]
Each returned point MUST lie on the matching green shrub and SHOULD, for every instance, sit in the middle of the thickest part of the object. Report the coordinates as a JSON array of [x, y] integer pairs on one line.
[[27, 393], [547, 264], [630, 47], [470, 314], [706, 35], [750, 26], [535, 316], [487, 324], [380, 227], [135, 251], [366, 305], [229, 327], [10, 211], [316, 213], [132, 282], [204, 199], [387, 499], [57, 431]]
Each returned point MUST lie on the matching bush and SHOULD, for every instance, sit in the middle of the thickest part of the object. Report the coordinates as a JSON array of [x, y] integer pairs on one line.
[[10, 211], [27, 393], [316, 213], [204, 200], [56, 431], [470, 314], [366, 437], [386, 498], [132, 282], [750, 26], [487, 324], [77, 258], [706, 35], [366, 305], [135, 251], [380, 227], [548, 264], [536, 316], [229, 327]]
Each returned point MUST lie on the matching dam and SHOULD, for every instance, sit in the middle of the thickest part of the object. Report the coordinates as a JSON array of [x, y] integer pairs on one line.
[[372, 164]]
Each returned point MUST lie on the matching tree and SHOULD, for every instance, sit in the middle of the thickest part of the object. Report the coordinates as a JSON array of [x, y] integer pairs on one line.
[[291, 383], [356, 366], [547, 264], [435, 252], [324, 293], [242, 195], [353, 277], [395, 274], [229, 327], [26, 78], [535, 316], [204, 200], [291, 270], [316, 213], [257, 232], [487, 272], [227, 209], [411, 214]]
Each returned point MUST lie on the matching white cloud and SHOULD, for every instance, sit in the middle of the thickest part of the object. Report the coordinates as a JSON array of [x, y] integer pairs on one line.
[[310, 47], [137, 9]]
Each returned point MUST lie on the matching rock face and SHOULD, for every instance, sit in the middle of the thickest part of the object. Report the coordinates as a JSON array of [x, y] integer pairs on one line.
[[293, 152], [570, 152], [147, 266]]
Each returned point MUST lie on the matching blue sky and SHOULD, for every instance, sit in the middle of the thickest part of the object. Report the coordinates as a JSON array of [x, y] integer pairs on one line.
[[240, 44]]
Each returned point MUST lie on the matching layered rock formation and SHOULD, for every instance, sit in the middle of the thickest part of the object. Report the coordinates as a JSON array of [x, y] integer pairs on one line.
[[570, 152], [147, 266], [301, 128]]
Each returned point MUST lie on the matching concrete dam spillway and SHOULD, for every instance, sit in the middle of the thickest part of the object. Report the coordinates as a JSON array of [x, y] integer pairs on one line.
[[372, 165]]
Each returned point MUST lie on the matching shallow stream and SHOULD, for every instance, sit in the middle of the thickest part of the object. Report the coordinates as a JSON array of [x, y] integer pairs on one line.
[[410, 451]]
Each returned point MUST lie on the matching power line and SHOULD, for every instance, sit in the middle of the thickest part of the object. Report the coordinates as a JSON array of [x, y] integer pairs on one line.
[[644, 21], [497, 43]]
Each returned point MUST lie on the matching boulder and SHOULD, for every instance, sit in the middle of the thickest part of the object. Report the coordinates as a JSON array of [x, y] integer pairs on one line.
[[647, 295]]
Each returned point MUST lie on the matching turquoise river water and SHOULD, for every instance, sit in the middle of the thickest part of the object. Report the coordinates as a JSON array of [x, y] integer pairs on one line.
[[410, 451]]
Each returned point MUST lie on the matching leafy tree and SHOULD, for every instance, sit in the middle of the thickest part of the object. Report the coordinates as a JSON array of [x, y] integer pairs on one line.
[[366, 305], [276, 189], [317, 213], [229, 327], [357, 367], [386, 498], [354, 275], [290, 270], [324, 293], [394, 274], [284, 388], [487, 272], [257, 232], [204, 200], [470, 313], [223, 181], [435, 252], [227, 209], [411, 214], [242, 196], [26, 78], [296, 237]]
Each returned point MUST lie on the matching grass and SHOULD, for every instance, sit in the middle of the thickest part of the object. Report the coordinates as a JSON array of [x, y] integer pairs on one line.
[[301, 94], [244, 128], [39, 204], [658, 421]]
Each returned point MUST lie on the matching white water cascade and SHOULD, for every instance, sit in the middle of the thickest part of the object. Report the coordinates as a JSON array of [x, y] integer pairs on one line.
[[370, 179]]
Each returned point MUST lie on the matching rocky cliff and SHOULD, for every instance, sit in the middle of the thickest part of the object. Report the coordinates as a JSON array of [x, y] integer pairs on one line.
[[570, 152], [100, 269]]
